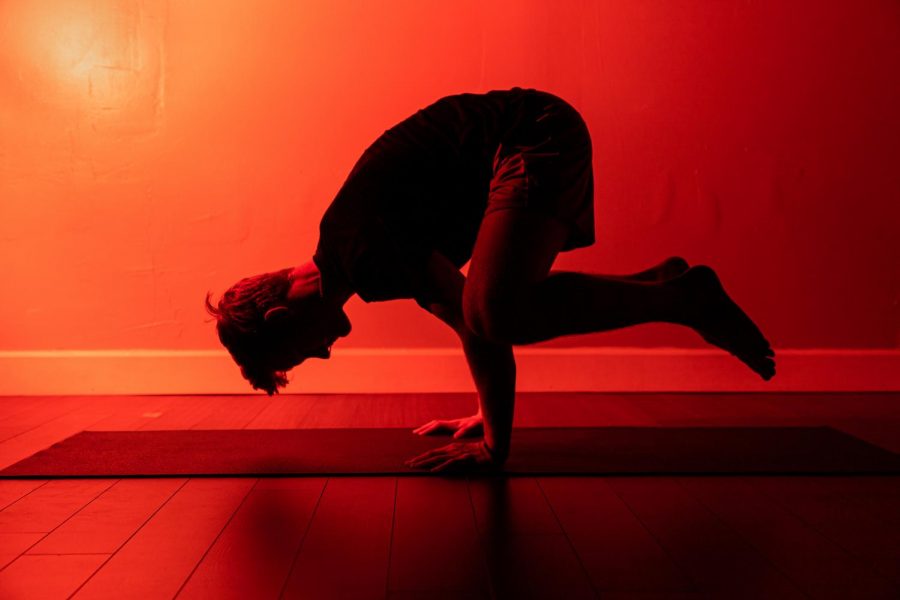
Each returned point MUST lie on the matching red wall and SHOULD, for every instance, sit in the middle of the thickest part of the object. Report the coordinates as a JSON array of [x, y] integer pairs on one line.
[[152, 150]]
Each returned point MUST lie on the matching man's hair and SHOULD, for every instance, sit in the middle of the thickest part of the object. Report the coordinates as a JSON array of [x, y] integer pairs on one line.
[[241, 325]]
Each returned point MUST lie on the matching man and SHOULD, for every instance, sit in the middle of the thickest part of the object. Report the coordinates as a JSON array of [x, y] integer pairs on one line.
[[504, 179]]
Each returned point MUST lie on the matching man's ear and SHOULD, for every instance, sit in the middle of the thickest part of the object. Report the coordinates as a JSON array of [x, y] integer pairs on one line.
[[276, 313]]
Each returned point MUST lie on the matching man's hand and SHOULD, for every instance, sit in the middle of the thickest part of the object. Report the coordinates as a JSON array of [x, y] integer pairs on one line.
[[456, 457], [459, 428]]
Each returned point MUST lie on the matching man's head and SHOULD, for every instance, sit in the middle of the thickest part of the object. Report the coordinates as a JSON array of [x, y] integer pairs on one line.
[[272, 322]]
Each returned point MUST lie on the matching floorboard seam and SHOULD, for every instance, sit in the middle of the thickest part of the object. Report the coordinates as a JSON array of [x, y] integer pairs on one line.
[[24, 552], [215, 539], [264, 406], [581, 564], [387, 579], [740, 536], [128, 539], [309, 523], [25, 495], [863, 559], [57, 417], [681, 568], [485, 559]]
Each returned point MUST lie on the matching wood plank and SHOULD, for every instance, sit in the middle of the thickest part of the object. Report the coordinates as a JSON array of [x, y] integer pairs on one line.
[[435, 542], [386, 410], [130, 413], [14, 544], [47, 577], [26, 422], [879, 496], [716, 558], [105, 524], [414, 410], [618, 552], [510, 506], [869, 530], [253, 555], [233, 412], [346, 551], [15, 405], [537, 567], [528, 555], [54, 430], [157, 560], [12, 490], [284, 411], [48, 506], [27, 413], [819, 567], [183, 413]]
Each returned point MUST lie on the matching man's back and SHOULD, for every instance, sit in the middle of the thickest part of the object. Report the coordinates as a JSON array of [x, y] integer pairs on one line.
[[422, 186]]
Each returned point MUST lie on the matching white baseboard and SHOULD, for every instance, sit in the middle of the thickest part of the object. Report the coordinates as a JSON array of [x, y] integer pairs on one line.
[[399, 370]]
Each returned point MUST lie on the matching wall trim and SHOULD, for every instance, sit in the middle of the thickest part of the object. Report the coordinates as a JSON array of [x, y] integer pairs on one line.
[[409, 370]]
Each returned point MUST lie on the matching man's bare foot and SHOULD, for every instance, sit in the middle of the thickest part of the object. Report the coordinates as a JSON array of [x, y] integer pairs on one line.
[[668, 269], [721, 322]]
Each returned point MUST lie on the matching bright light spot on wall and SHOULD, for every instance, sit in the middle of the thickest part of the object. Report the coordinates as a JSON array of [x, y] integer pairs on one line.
[[72, 43], [100, 56]]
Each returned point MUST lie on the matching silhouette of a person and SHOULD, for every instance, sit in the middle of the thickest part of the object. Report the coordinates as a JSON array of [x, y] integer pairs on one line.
[[504, 179]]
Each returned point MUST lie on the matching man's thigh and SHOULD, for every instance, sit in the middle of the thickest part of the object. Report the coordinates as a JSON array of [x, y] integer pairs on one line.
[[514, 251]]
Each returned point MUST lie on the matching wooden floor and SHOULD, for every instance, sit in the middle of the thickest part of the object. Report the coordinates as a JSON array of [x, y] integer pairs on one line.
[[409, 537]]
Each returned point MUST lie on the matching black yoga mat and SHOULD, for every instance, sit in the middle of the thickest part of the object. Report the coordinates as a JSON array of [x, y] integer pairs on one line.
[[536, 451]]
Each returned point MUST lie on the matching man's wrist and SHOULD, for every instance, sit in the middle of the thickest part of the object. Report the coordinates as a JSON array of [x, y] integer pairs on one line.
[[496, 454]]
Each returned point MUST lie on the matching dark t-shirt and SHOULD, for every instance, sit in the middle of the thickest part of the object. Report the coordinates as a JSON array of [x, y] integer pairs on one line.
[[422, 186]]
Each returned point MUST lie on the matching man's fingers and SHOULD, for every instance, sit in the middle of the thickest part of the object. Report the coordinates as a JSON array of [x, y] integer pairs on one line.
[[434, 427], [426, 427], [415, 462], [427, 456], [434, 457], [424, 463]]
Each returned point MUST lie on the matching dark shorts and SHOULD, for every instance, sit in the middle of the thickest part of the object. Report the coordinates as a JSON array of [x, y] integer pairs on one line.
[[544, 164]]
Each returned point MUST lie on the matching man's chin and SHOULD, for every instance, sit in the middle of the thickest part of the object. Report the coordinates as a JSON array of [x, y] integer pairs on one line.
[[324, 355]]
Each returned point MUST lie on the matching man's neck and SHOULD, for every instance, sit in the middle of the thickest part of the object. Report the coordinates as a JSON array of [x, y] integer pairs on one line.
[[306, 280]]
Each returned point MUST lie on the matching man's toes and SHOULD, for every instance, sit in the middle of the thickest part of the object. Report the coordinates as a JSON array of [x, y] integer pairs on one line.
[[676, 263], [763, 366], [673, 267]]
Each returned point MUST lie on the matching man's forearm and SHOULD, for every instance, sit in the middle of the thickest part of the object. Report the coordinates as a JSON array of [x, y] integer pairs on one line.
[[493, 368]]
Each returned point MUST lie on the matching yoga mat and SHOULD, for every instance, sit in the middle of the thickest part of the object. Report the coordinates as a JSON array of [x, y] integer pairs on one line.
[[536, 451]]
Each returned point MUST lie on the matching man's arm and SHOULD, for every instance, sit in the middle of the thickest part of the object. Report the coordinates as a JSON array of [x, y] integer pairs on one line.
[[493, 368], [492, 365]]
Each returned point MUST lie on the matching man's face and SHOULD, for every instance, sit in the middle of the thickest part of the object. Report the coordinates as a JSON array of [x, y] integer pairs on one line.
[[309, 333]]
